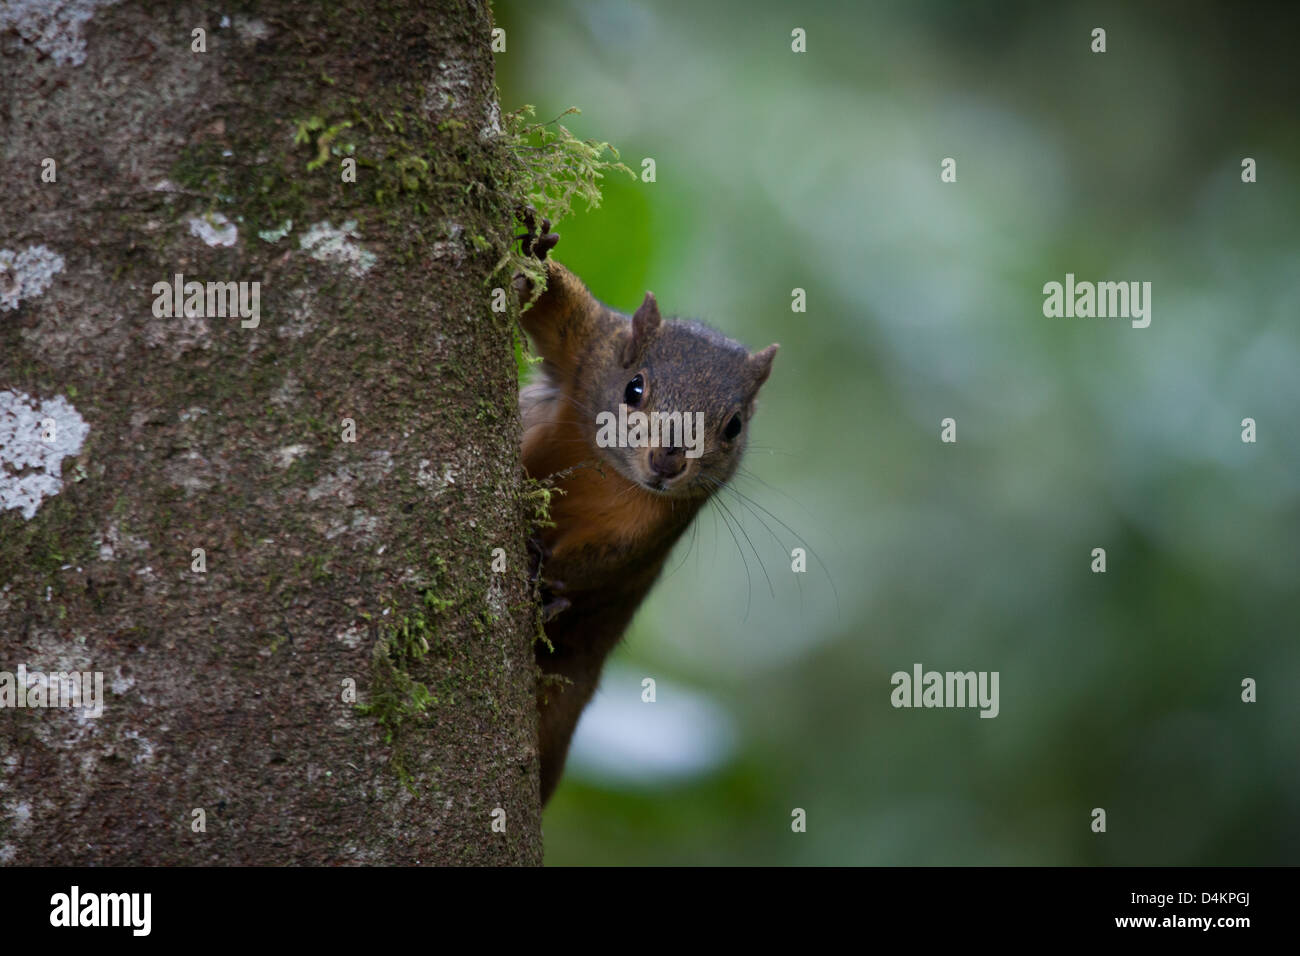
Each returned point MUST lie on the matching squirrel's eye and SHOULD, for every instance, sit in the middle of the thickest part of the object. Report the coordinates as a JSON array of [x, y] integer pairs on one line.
[[632, 394], [733, 428]]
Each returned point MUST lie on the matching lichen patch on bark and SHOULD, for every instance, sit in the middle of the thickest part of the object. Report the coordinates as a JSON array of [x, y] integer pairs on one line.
[[35, 436]]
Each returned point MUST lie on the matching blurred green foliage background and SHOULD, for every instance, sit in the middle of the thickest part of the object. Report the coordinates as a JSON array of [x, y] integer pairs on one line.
[[821, 170]]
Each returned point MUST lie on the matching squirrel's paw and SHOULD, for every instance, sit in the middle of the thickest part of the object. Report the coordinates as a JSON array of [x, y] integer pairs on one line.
[[538, 553], [552, 590], [552, 608], [535, 242]]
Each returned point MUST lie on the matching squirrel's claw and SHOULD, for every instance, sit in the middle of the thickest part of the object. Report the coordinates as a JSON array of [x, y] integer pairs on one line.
[[553, 608], [539, 553], [536, 242], [546, 241], [551, 588]]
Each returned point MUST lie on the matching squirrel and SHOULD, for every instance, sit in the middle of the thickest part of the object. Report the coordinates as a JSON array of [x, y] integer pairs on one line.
[[620, 510]]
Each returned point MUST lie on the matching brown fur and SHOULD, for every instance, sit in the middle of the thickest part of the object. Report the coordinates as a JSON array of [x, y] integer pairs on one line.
[[611, 534]]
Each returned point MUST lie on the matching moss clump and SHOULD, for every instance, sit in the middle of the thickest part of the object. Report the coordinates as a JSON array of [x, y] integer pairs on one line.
[[397, 695], [524, 363], [548, 168], [324, 139], [398, 700], [538, 498]]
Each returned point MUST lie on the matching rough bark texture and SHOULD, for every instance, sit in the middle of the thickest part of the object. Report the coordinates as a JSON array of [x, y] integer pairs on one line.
[[326, 560]]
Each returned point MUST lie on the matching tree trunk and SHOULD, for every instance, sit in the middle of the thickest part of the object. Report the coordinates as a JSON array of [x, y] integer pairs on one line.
[[238, 505]]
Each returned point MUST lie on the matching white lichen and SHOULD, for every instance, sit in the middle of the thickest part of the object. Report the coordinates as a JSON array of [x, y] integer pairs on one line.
[[145, 752], [327, 244], [341, 484], [351, 637], [427, 477], [491, 128], [22, 815], [364, 526], [276, 234], [26, 274], [299, 315], [453, 82], [121, 683], [31, 467], [215, 230], [250, 30], [113, 541], [55, 27], [496, 597], [286, 456], [289, 392]]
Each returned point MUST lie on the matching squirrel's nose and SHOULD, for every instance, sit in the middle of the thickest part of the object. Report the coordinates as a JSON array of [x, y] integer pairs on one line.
[[667, 462]]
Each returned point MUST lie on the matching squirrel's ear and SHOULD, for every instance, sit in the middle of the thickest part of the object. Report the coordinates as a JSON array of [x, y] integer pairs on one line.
[[644, 323], [760, 364]]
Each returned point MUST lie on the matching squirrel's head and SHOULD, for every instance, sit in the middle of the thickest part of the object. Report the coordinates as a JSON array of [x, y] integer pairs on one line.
[[687, 395]]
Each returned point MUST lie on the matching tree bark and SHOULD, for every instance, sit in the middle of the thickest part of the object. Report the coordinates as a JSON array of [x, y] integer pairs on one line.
[[181, 508]]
